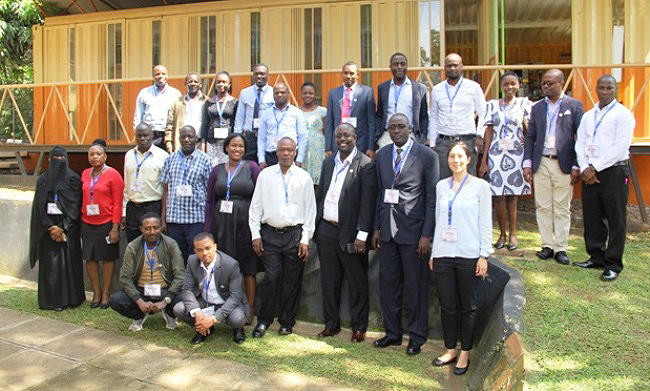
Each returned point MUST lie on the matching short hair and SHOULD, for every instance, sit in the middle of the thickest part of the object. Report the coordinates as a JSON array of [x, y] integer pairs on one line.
[[398, 54], [144, 125], [509, 73], [396, 115], [350, 63], [100, 142], [259, 64], [149, 215], [308, 84], [192, 74], [346, 124], [230, 137], [202, 236], [463, 146], [607, 77], [187, 127], [555, 71], [290, 139]]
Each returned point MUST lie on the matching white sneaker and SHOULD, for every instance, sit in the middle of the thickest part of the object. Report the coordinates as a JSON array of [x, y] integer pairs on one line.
[[136, 325], [170, 322]]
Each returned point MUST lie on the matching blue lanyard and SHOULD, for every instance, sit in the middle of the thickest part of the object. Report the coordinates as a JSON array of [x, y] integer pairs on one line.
[[398, 169], [284, 114], [139, 164], [601, 120], [220, 109], [451, 202], [56, 197], [345, 165], [186, 166], [553, 116], [231, 177], [93, 182], [150, 261], [451, 99], [207, 280], [286, 187], [398, 91]]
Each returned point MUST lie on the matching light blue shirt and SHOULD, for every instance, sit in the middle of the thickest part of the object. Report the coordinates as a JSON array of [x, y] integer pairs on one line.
[[246, 106], [151, 106], [276, 124]]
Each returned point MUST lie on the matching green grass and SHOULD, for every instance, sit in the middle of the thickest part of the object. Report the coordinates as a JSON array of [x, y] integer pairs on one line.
[[582, 333]]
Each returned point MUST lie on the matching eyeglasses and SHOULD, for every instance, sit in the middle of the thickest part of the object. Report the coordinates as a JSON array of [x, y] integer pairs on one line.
[[398, 126], [548, 83]]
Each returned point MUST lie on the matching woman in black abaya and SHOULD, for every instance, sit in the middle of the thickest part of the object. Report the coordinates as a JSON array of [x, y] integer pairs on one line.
[[55, 238]]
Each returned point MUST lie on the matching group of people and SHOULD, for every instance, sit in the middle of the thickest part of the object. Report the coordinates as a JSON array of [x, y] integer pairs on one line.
[[217, 190]]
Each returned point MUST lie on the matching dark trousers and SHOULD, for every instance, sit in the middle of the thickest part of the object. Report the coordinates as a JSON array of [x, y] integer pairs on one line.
[[134, 213], [457, 283], [123, 304], [401, 270], [271, 158], [236, 319], [251, 145], [442, 149], [334, 264], [282, 281], [604, 213], [184, 235], [159, 139]]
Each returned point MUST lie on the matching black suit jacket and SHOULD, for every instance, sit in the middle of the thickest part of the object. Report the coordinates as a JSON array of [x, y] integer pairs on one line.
[[415, 213], [363, 108], [420, 112], [357, 199], [569, 117], [227, 278]]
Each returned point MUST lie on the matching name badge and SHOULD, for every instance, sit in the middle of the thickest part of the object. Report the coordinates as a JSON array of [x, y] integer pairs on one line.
[[53, 209], [288, 211], [184, 191], [92, 210], [208, 311], [506, 144], [350, 120], [221, 132], [549, 142], [256, 123], [391, 196], [226, 207], [137, 187], [449, 234], [332, 196], [451, 121], [152, 289], [592, 151]]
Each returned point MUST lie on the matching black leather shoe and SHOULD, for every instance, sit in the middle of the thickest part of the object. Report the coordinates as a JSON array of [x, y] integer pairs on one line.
[[260, 330], [546, 253], [413, 348], [439, 363], [238, 335], [94, 304], [198, 338], [329, 332], [461, 371], [562, 258], [386, 341], [285, 330], [588, 264], [608, 275]]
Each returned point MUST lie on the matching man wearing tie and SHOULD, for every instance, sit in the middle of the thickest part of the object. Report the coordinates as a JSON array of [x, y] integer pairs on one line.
[[407, 173], [253, 101], [549, 153], [355, 104], [401, 95], [343, 222]]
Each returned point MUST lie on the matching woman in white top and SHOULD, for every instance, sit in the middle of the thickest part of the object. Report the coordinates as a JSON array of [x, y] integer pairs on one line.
[[462, 242]]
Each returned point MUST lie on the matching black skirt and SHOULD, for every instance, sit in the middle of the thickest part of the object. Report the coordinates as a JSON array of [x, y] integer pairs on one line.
[[93, 243]]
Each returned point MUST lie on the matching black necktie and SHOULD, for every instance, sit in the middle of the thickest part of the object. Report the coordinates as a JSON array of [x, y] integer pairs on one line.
[[398, 159], [256, 108]]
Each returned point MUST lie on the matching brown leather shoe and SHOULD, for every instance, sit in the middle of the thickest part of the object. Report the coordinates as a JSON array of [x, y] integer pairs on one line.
[[329, 332], [358, 336]]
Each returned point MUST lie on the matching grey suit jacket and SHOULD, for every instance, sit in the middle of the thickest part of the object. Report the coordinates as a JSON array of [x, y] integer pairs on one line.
[[228, 280], [420, 110], [363, 108]]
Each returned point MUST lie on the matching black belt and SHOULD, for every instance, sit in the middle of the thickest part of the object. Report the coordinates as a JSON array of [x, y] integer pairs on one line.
[[331, 223], [456, 138], [283, 229], [620, 163], [140, 204], [550, 156]]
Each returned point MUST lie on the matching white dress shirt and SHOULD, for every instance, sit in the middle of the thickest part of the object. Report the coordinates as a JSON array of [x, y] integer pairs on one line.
[[406, 149], [276, 124], [283, 201], [212, 297], [453, 108], [152, 105], [143, 185], [404, 102], [246, 106], [610, 143], [193, 115]]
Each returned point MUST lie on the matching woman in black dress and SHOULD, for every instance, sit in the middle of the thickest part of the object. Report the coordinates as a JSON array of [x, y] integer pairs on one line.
[[230, 189], [55, 238], [218, 118]]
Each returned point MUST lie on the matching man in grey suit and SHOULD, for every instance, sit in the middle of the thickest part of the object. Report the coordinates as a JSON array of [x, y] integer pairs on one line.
[[549, 153], [212, 292], [401, 95], [353, 103], [407, 173]]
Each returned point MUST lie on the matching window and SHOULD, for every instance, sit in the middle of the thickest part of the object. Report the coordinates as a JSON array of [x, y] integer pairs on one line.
[[366, 42], [72, 90], [155, 43], [72, 69], [429, 34], [114, 57], [313, 47], [208, 44], [255, 39]]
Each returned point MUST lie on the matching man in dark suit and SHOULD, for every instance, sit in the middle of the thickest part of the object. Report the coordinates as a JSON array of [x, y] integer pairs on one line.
[[353, 103], [345, 213], [549, 153], [212, 292], [401, 95], [407, 173]]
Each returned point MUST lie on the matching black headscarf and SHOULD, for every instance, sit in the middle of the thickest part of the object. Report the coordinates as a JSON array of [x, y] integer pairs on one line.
[[57, 169]]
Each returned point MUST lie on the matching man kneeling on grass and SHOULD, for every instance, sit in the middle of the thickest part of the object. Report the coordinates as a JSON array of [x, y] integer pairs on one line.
[[212, 292], [151, 275]]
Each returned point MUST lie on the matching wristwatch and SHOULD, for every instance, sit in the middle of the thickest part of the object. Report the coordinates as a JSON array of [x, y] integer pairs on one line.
[[167, 299], [593, 169]]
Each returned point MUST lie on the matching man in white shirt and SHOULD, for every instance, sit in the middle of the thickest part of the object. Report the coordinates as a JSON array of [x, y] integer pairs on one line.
[[143, 190], [186, 110], [282, 120], [602, 150], [153, 103], [281, 218], [253, 101], [455, 103]]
